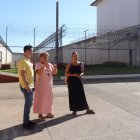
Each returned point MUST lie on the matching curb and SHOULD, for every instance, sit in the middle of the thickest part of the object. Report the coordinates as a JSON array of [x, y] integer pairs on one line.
[[9, 74], [107, 76], [91, 77]]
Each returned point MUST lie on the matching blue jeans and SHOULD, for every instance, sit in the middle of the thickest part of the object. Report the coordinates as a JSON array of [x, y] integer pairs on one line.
[[28, 104]]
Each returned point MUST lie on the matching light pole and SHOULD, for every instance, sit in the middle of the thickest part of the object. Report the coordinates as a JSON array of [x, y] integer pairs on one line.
[[85, 44], [56, 35], [130, 51], [6, 42]]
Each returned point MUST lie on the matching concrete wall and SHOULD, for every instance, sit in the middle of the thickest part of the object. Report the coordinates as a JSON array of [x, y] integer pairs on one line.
[[15, 59], [94, 53], [116, 14]]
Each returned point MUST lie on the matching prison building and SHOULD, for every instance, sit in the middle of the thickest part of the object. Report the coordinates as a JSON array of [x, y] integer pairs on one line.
[[116, 14]]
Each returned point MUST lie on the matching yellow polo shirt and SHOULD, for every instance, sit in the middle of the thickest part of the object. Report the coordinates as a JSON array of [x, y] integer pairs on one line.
[[25, 64]]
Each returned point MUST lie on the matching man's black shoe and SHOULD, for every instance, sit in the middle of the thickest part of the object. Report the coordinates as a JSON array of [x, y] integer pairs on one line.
[[32, 123], [28, 126]]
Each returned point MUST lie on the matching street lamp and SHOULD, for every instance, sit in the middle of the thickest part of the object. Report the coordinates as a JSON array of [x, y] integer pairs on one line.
[[85, 44], [56, 35]]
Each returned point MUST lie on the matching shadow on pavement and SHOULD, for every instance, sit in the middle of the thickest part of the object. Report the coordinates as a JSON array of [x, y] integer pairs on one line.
[[112, 80], [17, 131], [98, 81]]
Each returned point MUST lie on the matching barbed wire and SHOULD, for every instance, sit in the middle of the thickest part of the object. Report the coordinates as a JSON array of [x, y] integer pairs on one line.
[[28, 30], [22, 30]]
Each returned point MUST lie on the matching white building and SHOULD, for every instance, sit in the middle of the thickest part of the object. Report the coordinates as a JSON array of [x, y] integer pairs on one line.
[[5, 53], [117, 14], [7, 56]]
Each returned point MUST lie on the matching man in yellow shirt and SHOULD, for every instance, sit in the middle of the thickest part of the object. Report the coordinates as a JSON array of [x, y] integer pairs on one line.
[[26, 82]]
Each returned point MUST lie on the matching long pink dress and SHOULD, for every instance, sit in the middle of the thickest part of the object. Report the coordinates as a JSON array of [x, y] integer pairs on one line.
[[43, 98]]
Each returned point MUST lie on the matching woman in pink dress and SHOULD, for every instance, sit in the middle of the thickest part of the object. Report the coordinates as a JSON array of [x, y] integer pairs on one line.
[[43, 99]]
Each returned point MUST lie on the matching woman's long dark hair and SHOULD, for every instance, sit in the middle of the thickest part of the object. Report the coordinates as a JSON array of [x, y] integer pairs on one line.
[[74, 53]]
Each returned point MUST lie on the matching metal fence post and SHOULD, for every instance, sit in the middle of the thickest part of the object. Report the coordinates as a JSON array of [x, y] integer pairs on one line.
[[108, 48]]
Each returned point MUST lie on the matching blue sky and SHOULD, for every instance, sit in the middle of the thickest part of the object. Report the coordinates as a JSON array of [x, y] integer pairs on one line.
[[41, 13]]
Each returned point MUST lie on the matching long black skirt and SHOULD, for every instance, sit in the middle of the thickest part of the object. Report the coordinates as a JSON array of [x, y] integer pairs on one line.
[[77, 99]]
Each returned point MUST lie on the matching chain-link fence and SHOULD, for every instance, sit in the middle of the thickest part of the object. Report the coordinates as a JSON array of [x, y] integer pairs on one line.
[[122, 46]]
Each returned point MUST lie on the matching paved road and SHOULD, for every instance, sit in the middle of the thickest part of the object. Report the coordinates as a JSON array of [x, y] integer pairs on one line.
[[117, 106]]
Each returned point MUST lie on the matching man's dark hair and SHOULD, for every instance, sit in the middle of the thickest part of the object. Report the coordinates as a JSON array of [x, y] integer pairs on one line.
[[27, 47]]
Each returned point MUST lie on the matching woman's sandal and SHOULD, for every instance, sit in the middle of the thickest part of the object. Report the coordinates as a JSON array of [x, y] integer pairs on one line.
[[49, 115], [90, 111], [41, 117]]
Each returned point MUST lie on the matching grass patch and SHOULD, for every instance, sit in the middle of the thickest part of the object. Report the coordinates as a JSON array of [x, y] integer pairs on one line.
[[10, 71], [109, 70]]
